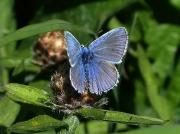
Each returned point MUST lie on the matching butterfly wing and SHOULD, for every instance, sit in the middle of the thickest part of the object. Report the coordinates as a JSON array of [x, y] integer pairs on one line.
[[111, 46], [103, 76], [77, 76], [73, 48]]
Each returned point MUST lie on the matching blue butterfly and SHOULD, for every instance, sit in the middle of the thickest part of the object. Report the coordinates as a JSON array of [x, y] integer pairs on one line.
[[92, 68]]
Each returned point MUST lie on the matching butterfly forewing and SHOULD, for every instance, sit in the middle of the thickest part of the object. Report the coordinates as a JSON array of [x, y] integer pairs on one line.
[[111, 46], [73, 48]]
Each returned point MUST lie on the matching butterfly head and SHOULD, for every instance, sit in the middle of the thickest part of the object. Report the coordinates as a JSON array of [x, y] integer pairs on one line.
[[87, 55]]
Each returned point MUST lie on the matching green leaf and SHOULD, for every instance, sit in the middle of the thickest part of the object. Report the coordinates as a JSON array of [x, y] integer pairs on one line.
[[160, 103], [175, 3], [104, 9], [121, 127], [42, 84], [28, 94], [140, 98], [4, 78], [157, 39], [80, 129], [93, 127], [101, 127], [37, 124], [35, 29], [47, 132], [20, 64], [73, 123], [133, 31], [91, 15], [25, 66], [167, 129], [145, 20], [13, 62], [6, 15], [7, 25], [114, 23], [173, 91], [119, 117], [8, 111]]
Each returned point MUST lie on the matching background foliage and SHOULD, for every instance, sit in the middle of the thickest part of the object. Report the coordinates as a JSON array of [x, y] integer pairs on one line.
[[150, 74]]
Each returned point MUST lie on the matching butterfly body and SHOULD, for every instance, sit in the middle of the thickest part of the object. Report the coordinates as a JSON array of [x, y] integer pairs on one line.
[[92, 67], [87, 55], [87, 58]]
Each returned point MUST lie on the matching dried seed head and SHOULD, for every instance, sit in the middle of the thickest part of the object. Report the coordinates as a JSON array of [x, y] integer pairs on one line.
[[50, 49], [57, 83], [88, 98], [66, 96]]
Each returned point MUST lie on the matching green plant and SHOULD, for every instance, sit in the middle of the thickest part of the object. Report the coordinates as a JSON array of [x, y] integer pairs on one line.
[[149, 76]]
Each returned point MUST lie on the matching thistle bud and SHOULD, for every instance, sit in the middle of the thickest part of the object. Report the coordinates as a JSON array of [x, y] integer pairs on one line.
[[57, 83], [50, 49]]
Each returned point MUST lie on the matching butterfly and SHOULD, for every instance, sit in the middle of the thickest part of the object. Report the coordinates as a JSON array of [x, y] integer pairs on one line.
[[93, 67]]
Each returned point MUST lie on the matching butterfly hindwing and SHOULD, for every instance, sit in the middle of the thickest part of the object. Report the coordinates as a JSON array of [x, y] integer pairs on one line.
[[111, 46], [77, 76], [73, 48], [102, 77]]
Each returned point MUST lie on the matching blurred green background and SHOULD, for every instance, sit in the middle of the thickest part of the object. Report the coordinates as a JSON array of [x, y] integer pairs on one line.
[[150, 73]]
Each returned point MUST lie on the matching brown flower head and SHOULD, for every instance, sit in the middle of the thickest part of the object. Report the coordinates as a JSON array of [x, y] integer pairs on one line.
[[50, 49]]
